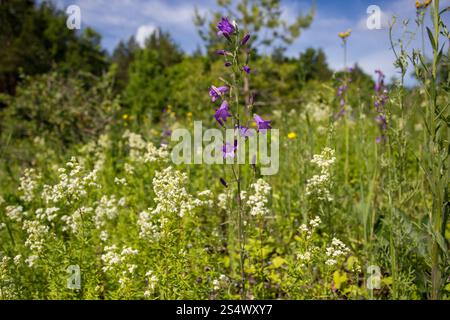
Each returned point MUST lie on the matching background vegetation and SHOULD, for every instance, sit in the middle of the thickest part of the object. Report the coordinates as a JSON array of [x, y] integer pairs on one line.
[[85, 176]]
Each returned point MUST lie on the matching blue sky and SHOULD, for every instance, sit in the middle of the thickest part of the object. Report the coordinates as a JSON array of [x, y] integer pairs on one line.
[[117, 20]]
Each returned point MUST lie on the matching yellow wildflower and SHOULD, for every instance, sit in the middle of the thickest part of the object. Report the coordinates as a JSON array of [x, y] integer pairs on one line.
[[345, 35], [292, 135], [423, 5]]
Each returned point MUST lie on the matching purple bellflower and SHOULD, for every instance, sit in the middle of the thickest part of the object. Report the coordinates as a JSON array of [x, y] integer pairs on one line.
[[229, 149], [223, 53], [225, 27], [222, 114], [245, 132], [382, 124], [379, 85], [246, 69], [261, 123], [216, 93], [245, 39]]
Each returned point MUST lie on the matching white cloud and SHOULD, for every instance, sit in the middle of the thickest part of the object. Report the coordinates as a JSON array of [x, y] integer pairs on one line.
[[179, 14], [143, 33]]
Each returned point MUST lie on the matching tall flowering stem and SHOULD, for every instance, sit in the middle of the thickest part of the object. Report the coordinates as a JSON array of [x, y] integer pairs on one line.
[[236, 42], [437, 160], [342, 94]]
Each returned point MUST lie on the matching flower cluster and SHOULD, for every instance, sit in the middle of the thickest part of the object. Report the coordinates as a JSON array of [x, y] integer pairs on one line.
[[337, 249], [28, 184], [318, 187], [171, 195], [342, 93], [149, 228], [36, 232], [98, 150], [381, 98], [259, 199], [329, 255], [223, 200], [74, 222], [231, 32], [119, 263], [152, 281], [222, 282], [114, 257], [142, 151], [107, 209], [15, 213], [8, 288], [317, 111], [73, 183], [49, 214]]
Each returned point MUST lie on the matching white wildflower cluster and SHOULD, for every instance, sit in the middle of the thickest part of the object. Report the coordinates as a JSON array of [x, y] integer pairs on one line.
[[259, 199], [317, 111], [119, 262], [98, 150], [15, 213], [113, 257], [104, 235], [17, 259], [205, 198], [31, 260], [309, 252], [74, 222], [222, 282], [171, 195], [49, 214], [152, 281], [129, 169], [120, 181], [222, 200], [309, 230], [336, 250], [142, 151], [148, 227], [107, 209], [28, 184], [7, 286], [318, 187], [36, 232], [73, 183]]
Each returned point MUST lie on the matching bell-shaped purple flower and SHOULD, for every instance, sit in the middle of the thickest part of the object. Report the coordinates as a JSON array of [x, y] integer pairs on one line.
[[223, 53], [222, 114], [215, 93], [245, 39], [225, 27], [247, 69], [261, 123], [229, 149], [379, 85], [245, 132], [382, 122], [223, 182]]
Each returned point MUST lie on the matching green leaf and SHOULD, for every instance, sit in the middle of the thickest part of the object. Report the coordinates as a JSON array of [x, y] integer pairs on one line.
[[339, 278], [278, 262], [430, 35]]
